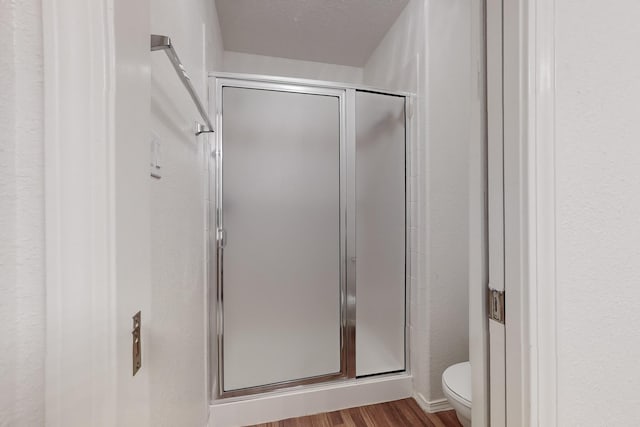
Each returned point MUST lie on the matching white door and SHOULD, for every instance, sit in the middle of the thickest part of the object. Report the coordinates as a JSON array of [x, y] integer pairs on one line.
[[495, 163]]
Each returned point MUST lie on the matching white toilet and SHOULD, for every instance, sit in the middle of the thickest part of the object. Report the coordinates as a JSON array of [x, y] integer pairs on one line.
[[456, 385]]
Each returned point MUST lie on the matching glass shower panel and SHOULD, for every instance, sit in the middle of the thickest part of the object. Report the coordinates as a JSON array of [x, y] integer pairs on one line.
[[380, 233], [282, 260]]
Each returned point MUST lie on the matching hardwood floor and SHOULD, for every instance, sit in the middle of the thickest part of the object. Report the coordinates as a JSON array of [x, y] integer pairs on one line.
[[401, 413]]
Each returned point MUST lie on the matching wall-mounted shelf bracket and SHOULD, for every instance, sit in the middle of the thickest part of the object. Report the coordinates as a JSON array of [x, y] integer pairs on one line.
[[199, 128]]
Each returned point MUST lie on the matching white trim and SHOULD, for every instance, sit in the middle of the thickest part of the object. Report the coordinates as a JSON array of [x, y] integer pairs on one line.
[[543, 367], [530, 199], [96, 210], [432, 406], [80, 361], [478, 257], [496, 238], [308, 400], [517, 214]]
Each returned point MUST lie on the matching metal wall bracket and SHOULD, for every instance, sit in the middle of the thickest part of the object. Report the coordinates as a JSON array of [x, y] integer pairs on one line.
[[496, 306], [199, 128], [160, 42]]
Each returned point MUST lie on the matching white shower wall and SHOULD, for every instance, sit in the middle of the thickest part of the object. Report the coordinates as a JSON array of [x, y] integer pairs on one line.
[[448, 135]]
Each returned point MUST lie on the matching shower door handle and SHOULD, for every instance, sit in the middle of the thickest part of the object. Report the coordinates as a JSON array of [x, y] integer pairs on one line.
[[221, 237]]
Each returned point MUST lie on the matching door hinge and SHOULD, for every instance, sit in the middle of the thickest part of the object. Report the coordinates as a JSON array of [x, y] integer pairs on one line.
[[496, 305]]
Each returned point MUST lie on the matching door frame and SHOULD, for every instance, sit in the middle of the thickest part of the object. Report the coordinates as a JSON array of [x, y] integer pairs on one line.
[[529, 97], [496, 209], [347, 210], [530, 279], [96, 119], [478, 221], [89, 279]]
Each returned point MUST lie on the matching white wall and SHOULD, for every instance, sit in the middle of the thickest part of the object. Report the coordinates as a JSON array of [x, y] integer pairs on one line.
[[449, 93], [236, 62], [428, 51], [597, 130], [21, 216], [177, 362]]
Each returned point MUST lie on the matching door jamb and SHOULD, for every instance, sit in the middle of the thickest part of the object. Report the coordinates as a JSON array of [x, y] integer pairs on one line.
[[529, 91], [80, 275]]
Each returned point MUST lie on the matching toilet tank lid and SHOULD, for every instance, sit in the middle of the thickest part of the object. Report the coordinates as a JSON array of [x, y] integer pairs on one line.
[[458, 379]]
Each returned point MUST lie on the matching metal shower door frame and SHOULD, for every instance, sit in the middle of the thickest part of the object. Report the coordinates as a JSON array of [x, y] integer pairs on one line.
[[347, 93], [347, 239]]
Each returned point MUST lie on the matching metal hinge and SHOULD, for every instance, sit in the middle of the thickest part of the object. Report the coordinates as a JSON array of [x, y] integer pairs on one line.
[[496, 305]]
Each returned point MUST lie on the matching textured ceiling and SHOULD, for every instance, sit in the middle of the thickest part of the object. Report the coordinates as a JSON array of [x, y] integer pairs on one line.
[[341, 32]]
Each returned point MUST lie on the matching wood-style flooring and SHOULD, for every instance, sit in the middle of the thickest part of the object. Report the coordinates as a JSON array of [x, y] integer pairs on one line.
[[401, 413]]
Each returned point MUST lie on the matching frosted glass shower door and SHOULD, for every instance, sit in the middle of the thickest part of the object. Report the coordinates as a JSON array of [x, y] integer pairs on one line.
[[282, 266], [380, 233]]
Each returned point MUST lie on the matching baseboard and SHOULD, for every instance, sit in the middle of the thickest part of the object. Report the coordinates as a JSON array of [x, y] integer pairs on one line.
[[432, 406], [309, 401]]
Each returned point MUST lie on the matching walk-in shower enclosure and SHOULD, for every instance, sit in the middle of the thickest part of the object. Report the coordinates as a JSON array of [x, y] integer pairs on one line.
[[308, 233]]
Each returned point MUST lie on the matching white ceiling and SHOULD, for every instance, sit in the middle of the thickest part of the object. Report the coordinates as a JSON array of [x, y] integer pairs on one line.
[[341, 32]]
